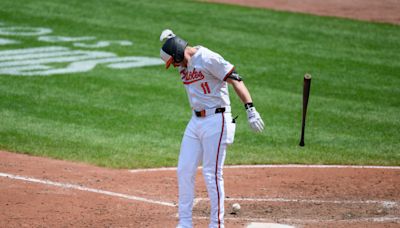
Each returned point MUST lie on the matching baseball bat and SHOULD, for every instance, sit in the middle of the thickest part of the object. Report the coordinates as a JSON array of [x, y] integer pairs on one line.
[[306, 95]]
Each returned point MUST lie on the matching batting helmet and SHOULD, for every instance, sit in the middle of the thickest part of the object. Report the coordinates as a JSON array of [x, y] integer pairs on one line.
[[173, 49]]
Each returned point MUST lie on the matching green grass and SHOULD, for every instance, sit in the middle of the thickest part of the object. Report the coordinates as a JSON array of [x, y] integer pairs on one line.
[[136, 117]]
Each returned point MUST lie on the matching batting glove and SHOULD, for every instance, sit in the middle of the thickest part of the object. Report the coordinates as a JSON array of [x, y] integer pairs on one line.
[[254, 119]]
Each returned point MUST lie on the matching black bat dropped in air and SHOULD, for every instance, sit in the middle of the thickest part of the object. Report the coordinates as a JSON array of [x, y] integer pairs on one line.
[[306, 94]]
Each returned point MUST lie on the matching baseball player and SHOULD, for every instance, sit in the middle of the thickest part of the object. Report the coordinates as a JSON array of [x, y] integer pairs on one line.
[[205, 75]]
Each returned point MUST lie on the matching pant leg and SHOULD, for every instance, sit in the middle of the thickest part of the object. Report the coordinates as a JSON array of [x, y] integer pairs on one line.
[[190, 154], [213, 176], [214, 151]]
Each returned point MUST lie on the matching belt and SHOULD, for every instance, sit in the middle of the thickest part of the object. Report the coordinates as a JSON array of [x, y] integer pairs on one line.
[[211, 111]]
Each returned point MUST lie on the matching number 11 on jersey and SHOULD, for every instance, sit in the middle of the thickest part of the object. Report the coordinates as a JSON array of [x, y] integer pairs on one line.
[[205, 87]]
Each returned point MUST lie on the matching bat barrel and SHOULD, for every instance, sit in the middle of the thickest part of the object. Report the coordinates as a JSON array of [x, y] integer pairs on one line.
[[306, 94]]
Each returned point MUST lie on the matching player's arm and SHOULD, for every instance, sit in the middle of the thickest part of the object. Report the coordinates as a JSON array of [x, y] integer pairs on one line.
[[241, 90], [254, 118]]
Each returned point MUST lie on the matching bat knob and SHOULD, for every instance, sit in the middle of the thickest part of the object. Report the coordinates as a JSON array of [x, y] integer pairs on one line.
[[301, 144]]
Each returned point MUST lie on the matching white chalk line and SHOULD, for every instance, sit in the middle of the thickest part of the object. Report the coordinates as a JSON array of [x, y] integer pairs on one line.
[[385, 203], [354, 220], [308, 221], [86, 189], [277, 166]]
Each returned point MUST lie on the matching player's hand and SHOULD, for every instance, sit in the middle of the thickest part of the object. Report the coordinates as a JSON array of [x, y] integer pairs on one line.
[[254, 119]]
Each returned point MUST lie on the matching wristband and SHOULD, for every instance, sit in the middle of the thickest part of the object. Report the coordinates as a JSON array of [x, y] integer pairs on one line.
[[248, 105]]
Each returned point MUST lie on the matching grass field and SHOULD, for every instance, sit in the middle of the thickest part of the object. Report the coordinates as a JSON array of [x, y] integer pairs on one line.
[[130, 118]]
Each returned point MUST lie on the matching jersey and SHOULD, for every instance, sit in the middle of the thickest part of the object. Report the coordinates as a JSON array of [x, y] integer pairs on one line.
[[205, 79]]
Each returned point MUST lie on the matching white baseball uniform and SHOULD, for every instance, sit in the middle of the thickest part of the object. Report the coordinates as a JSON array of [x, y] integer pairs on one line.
[[208, 133]]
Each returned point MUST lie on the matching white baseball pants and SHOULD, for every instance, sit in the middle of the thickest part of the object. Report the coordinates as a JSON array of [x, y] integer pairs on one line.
[[205, 139]]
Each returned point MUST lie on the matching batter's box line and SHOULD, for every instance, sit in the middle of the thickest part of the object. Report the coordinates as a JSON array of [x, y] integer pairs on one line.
[[276, 166], [385, 203], [85, 189], [353, 220], [307, 221]]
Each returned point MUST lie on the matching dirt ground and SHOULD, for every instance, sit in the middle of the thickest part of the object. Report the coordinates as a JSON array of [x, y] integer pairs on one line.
[[370, 10], [42, 192]]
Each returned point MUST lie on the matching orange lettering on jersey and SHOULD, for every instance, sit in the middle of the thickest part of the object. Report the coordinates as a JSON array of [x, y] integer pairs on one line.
[[192, 76]]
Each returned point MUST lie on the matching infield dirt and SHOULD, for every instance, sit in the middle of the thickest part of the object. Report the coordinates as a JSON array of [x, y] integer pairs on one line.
[[370, 10], [304, 197]]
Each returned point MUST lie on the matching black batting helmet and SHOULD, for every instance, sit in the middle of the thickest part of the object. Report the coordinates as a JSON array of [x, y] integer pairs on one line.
[[173, 49]]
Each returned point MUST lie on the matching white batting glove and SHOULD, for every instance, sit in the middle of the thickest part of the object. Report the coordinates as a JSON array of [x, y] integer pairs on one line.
[[254, 119], [166, 34]]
